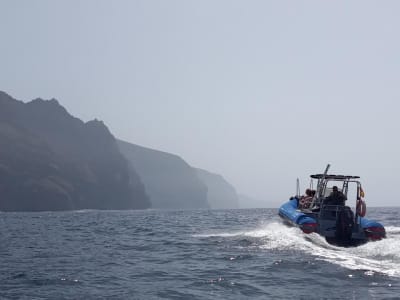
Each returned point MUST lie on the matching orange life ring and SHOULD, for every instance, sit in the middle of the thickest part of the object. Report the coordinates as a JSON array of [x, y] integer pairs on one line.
[[361, 208]]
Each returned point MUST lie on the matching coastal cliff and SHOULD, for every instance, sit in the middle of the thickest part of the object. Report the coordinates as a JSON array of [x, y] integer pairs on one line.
[[170, 182], [221, 194], [50, 160]]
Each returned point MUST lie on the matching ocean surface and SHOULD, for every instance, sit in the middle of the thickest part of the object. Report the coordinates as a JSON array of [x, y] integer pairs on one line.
[[202, 254]]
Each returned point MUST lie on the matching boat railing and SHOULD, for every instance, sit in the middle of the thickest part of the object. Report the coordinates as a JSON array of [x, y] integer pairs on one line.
[[329, 211]]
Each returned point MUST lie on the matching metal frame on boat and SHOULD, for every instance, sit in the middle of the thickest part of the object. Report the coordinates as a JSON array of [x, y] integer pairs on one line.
[[334, 221]]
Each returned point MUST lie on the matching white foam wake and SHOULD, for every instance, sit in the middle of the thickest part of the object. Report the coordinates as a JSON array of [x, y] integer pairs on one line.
[[381, 256]]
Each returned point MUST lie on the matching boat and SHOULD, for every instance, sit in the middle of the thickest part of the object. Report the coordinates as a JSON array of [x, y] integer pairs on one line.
[[324, 211]]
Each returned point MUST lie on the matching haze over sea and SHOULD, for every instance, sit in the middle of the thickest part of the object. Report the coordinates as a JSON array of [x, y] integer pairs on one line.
[[201, 254]]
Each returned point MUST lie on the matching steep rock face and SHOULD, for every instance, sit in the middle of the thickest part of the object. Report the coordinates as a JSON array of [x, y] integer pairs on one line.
[[170, 182], [50, 160], [221, 194]]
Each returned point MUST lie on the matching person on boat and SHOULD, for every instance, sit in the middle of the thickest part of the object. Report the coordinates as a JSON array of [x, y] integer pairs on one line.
[[306, 199], [336, 197]]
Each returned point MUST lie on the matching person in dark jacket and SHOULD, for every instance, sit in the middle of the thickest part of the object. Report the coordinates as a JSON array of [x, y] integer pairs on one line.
[[336, 197]]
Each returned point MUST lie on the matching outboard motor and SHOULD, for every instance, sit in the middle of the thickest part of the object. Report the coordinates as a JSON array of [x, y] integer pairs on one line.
[[344, 224]]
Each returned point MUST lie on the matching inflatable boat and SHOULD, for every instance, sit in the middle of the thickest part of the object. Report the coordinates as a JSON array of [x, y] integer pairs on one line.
[[324, 211]]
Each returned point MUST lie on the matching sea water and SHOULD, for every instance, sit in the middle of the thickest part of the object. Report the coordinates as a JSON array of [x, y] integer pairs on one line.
[[201, 254]]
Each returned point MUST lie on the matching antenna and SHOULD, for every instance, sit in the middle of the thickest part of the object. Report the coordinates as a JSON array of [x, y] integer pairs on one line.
[[320, 187], [322, 181]]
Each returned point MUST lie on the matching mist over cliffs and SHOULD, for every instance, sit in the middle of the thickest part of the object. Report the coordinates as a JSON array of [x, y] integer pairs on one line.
[[50, 160], [220, 193], [170, 182]]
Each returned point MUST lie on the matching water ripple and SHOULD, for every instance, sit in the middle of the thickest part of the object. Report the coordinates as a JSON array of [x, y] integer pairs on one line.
[[151, 254]]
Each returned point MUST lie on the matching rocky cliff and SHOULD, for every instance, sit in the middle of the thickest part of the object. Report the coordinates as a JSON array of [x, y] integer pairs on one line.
[[221, 194], [50, 160], [170, 182]]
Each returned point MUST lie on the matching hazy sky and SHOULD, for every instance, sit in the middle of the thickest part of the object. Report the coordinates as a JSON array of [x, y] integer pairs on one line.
[[261, 92]]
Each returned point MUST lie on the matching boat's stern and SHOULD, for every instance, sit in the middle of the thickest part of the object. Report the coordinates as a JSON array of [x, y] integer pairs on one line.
[[339, 226]]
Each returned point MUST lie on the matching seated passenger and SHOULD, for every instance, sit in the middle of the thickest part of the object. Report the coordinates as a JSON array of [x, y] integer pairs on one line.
[[336, 197], [306, 199]]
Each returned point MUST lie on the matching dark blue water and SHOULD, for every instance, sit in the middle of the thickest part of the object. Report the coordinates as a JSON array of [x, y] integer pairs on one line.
[[226, 254]]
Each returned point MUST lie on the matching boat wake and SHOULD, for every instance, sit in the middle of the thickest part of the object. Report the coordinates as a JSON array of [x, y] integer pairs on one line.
[[380, 257]]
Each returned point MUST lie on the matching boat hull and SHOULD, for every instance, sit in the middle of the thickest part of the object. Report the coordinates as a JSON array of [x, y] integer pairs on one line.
[[325, 223]]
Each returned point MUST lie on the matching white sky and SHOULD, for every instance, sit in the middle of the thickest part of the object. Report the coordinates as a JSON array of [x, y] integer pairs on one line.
[[261, 92]]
